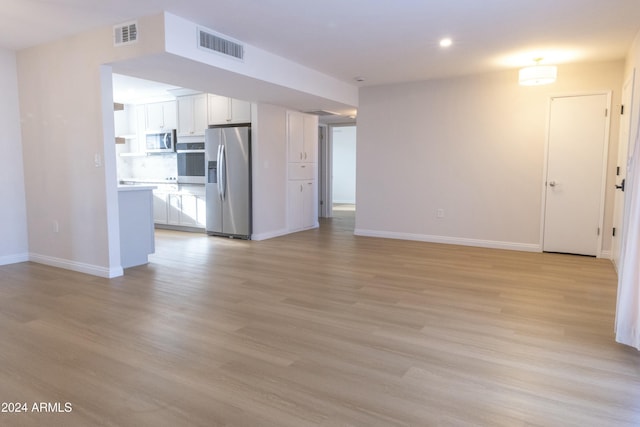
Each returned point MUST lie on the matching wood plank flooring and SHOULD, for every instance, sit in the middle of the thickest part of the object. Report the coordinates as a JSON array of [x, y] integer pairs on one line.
[[319, 328]]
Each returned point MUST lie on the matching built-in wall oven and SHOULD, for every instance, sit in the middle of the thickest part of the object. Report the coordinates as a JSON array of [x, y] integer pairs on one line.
[[191, 167]]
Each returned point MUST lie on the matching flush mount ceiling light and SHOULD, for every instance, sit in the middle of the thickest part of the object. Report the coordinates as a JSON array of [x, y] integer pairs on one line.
[[446, 42], [537, 74]]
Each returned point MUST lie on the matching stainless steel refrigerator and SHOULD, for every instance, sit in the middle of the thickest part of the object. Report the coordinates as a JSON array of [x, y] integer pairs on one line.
[[228, 186]]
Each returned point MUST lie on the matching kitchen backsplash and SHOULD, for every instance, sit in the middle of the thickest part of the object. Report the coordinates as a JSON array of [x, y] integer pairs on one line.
[[154, 167]]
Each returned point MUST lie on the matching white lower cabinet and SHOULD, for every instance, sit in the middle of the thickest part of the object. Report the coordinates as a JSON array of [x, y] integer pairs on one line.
[[188, 210], [179, 208], [301, 210], [160, 212], [136, 229], [309, 205], [201, 207], [174, 206]]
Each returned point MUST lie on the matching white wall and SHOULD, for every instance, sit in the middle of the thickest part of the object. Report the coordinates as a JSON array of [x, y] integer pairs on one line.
[[269, 156], [13, 216], [344, 163], [67, 124], [472, 146]]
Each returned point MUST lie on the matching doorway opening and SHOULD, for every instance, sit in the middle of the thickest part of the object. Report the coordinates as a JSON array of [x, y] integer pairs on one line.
[[343, 186], [337, 172]]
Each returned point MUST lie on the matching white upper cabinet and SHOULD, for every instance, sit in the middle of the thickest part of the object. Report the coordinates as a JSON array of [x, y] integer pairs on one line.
[[295, 136], [302, 134], [154, 116], [223, 110], [240, 111], [310, 133], [160, 116], [218, 109], [192, 115]]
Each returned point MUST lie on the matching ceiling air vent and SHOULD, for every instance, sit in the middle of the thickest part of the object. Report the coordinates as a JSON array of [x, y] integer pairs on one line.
[[125, 33], [211, 41]]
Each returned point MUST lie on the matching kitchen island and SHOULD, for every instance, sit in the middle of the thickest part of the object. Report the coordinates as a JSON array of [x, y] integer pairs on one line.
[[135, 204]]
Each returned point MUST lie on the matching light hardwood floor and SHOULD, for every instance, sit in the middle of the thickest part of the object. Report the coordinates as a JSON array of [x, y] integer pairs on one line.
[[319, 328]]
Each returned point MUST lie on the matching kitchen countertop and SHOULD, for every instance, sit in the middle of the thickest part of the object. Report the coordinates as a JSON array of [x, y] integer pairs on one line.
[[127, 181], [135, 187], [151, 181]]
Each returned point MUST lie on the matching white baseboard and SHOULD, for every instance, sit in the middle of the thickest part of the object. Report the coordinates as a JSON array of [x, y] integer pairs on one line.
[[615, 266], [314, 226], [270, 234], [14, 259], [606, 255], [80, 267], [492, 244], [282, 232]]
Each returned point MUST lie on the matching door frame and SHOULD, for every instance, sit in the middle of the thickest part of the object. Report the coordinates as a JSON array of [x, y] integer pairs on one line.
[[603, 173], [325, 170], [629, 84]]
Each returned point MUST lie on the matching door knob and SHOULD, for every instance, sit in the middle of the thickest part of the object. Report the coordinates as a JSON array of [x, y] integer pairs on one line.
[[621, 186], [552, 183]]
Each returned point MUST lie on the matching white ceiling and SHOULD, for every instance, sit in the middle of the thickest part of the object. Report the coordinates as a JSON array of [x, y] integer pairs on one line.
[[376, 41], [382, 41], [132, 90]]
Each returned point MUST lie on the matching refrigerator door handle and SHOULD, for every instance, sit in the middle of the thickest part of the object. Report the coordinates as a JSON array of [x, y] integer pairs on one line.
[[218, 171], [223, 173]]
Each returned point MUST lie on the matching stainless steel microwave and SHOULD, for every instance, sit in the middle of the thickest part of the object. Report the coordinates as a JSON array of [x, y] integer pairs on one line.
[[163, 142]]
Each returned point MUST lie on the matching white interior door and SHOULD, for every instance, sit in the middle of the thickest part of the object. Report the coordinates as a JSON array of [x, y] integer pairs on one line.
[[578, 127], [623, 150]]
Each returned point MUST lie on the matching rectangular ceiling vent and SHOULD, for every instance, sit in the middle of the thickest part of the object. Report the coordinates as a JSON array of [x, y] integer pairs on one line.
[[212, 41], [125, 33]]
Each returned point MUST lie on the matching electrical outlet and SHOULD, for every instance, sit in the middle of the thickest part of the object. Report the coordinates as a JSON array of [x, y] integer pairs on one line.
[[55, 226], [440, 213]]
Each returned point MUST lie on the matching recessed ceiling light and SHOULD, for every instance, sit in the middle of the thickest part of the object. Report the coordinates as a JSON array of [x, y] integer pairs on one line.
[[446, 42]]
